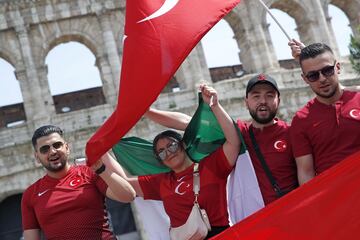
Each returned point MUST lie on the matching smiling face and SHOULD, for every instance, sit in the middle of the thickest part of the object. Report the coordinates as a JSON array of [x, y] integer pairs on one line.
[[326, 84], [263, 102], [52, 152], [174, 158]]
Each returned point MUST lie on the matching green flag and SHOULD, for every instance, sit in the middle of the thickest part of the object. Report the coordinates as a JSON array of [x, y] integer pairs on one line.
[[202, 136]]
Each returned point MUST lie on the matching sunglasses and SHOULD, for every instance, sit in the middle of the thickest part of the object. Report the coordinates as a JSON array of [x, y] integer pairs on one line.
[[46, 148], [327, 71], [172, 148]]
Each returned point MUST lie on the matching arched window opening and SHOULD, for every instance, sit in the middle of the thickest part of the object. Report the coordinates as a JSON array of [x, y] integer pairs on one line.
[[74, 80], [12, 112], [10, 217], [222, 52], [340, 22], [279, 39]]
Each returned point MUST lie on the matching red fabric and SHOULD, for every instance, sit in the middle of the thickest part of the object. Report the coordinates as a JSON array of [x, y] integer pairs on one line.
[[329, 132], [325, 208], [68, 208], [214, 171], [153, 51], [274, 143]]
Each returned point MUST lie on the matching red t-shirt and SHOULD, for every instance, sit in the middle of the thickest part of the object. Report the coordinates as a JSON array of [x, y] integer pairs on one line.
[[329, 132], [176, 190], [274, 144], [71, 208]]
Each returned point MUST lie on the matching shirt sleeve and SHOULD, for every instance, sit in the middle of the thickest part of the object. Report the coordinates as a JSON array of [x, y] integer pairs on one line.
[[299, 141], [218, 163], [150, 185], [29, 220]]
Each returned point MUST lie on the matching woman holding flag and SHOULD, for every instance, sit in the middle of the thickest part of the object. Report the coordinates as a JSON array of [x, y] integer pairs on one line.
[[175, 188]]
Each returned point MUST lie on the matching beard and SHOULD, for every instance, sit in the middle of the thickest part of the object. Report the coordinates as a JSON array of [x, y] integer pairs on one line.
[[56, 167], [263, 120]]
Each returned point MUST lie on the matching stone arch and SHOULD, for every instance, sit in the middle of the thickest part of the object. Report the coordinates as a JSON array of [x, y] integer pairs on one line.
[[12, 192], [298, 11], [351, 10], [10, 221], [237, 26], [84, 97], [66, 38], [12, 114], [4, 54]]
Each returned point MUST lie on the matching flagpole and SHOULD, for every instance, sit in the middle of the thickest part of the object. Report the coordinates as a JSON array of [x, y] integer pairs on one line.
[[282, 29]]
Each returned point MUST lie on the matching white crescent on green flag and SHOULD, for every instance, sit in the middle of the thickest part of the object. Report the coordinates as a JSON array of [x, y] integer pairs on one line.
[[202, 136]]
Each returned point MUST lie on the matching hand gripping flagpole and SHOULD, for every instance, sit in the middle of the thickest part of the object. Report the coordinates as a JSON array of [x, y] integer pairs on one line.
[[282, 29]]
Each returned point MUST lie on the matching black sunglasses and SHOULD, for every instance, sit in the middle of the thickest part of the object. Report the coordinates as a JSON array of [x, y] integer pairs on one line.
[[56, 145], [327, 71], [172, 148]]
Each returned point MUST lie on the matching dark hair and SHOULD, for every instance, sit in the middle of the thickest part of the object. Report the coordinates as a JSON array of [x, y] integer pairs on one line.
[[313, 50], [45, 131], [166, 134]]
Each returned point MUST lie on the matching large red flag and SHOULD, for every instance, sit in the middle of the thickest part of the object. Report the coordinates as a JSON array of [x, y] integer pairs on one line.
[[328, 207], [159, 36]]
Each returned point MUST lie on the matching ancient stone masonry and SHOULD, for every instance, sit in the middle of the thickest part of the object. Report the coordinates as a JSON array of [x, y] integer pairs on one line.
[[30, 29]]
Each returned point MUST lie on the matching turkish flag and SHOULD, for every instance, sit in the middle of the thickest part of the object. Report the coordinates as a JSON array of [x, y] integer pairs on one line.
[[327, 207], [159, 36]]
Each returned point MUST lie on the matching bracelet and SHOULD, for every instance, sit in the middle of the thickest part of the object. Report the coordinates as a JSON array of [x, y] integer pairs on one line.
[[101, 169]]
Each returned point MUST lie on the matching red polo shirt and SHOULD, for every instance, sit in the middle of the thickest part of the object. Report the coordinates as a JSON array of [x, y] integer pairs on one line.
[[329, 132], [274, 144]]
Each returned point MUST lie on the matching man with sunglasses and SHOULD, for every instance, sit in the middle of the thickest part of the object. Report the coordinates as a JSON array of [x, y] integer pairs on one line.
[[69, 201], [327, 129]]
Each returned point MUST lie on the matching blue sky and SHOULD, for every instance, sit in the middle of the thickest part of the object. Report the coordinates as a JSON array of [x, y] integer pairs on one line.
[[71, 66]]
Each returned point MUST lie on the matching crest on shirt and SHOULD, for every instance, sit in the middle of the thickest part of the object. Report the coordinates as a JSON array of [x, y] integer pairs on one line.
[[280, 145], [182, 186], [75, 181], [355, 114]]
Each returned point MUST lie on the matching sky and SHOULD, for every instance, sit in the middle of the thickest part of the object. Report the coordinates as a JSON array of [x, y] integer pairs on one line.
[[71, 66]]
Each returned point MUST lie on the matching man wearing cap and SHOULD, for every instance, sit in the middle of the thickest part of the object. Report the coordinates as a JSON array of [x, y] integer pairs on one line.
[[271, 134]]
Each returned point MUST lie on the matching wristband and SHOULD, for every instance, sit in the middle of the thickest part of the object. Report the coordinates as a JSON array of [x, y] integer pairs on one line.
[[101, 169]]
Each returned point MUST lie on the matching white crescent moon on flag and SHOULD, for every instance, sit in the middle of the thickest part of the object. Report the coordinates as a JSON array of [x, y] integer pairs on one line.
[[355, 113], [166, 7]]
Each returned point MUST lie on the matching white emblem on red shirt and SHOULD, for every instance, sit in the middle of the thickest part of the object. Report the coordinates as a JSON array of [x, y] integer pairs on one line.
[[75, 181], [43, 192], [177, 189], [355, 114], [280, 145]]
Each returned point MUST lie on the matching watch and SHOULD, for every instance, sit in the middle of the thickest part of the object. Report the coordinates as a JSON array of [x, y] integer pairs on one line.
[[101, 169]]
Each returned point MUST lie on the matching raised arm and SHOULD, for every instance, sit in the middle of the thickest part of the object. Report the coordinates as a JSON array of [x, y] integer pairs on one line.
[[232, 144], [114, 166], [118, 188], [296, 47], [175, 120], [305, 168]]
